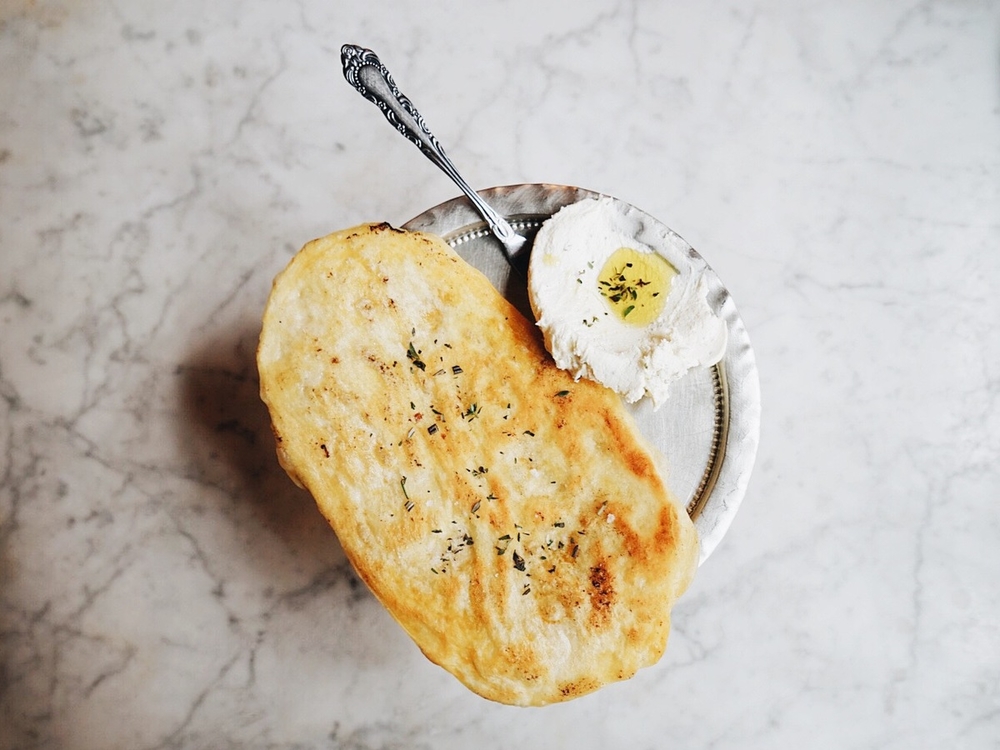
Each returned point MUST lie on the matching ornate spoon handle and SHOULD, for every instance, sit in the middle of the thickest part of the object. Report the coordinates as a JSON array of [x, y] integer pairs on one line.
[[365, 72]]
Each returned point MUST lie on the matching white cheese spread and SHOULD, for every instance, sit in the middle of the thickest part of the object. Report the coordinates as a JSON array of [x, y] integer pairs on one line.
[[622, 300]]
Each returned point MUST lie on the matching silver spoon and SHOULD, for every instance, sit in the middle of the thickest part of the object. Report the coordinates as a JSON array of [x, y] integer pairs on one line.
[[365, 72]]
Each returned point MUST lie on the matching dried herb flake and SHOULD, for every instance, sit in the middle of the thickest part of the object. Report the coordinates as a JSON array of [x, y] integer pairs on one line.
[[414, 356]]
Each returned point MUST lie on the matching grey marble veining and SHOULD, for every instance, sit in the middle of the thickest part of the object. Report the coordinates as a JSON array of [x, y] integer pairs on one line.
[[163, 584]]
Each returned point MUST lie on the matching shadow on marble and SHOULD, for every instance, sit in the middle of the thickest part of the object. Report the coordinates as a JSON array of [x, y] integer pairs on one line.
[[226, 431]]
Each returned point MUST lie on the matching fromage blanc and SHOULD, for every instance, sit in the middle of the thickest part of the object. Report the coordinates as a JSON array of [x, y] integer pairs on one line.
[[622, 300]]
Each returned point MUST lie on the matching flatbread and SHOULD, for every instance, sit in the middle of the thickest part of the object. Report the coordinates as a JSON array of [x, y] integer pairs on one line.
[[512, 520]]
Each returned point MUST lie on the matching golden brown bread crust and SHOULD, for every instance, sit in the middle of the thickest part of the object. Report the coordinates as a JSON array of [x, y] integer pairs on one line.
[[512, 520]]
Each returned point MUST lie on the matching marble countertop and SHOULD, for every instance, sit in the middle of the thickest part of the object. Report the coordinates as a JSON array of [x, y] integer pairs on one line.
[[164, 585]]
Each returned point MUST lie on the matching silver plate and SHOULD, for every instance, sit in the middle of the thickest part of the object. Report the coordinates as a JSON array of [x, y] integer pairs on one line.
[[708, 430]]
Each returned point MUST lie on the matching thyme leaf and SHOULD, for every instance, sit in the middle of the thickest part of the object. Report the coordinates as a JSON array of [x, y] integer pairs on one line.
[[502, 544], [414, 356], [518, 561]]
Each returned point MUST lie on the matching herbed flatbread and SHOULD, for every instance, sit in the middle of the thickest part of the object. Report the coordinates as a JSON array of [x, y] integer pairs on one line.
[[512, 520]]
